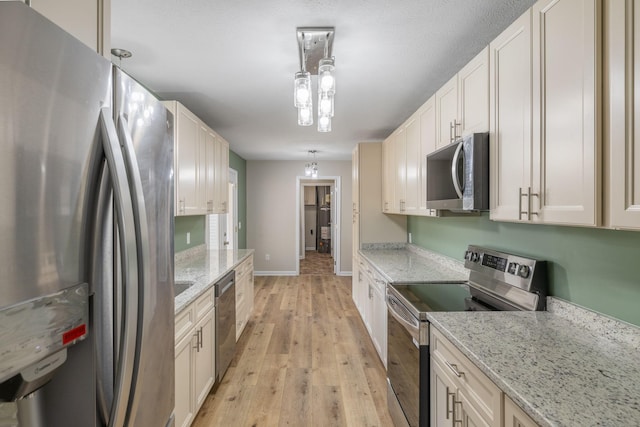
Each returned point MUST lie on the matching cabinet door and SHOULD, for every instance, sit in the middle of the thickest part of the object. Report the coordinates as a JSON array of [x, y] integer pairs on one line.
[[206, 158], [510, 119], [88, 21], [187, 163], [566, 132], [623, 118], [413, 163], [469, 415], [447, 112], [427, 117], [184, 392], [400, 169], [205, 358], [221, 176], [388, 174], [514, 416], [443, 393], [379, 323], [473, 95]]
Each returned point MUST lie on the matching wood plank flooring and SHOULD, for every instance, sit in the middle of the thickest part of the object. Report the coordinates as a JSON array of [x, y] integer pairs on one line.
[[304, 359]]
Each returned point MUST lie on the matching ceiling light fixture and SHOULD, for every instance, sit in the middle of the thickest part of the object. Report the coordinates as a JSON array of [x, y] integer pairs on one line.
[[315, 46], [311, 169]]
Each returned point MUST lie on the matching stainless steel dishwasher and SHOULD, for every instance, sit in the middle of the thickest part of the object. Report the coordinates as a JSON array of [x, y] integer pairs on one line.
[[225, 305]]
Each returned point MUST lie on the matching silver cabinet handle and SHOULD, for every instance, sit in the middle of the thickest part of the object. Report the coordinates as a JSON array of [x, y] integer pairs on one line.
[[450, 409], [520, 196], [531, 212], [459, 187], [456, 402], [181, 205], [454, 369], [126, 352]]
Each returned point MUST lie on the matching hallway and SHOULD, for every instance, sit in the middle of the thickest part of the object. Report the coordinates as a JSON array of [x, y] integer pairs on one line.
[[315, 262], [305, 359]]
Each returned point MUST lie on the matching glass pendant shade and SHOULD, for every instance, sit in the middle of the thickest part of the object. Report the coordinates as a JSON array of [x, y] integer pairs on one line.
[[326, 76], [307, 169], [324, 124], [305, 116], [302, 89], [325, 104], [314, 170]]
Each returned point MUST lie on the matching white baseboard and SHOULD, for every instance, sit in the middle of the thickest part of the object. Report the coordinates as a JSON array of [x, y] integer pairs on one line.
[[311, 248], [275, 273]]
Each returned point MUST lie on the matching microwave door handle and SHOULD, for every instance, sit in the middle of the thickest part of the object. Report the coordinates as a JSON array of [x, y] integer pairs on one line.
[[454, 170]]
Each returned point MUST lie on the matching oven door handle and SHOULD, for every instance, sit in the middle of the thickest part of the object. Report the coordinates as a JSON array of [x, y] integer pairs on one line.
[[404, 317]]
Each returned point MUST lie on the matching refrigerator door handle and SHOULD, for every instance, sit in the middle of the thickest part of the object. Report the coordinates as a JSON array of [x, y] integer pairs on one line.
[[124, 213], [142, 238]]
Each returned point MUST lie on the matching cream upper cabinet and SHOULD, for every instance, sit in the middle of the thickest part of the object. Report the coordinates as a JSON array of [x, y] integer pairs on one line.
[[622, 122], [201, 165], [221, 188], [447, 113], [566, 172], [88, 21], [473, 95], [544, 122], [412, 165], [462, 104], [187, 173], [400, 169], [510, 118], [427, 118], [388, 173]]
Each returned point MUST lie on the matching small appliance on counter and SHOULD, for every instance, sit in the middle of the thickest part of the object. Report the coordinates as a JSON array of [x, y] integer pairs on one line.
[[498, 281]]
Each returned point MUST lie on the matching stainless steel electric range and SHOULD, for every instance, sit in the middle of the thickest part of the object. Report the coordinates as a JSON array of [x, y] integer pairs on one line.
[[498, 281]]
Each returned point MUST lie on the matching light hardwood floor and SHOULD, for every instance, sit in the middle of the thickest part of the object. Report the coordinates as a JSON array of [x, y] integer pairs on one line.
[[304, 359]]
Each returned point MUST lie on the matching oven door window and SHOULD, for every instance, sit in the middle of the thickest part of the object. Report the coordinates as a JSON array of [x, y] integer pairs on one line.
[[403, 368]]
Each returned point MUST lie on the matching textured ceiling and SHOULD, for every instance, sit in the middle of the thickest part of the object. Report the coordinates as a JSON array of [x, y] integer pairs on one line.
[[232, 62]]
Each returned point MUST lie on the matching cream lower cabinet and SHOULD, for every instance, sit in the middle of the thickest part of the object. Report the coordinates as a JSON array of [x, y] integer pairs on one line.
[[195, 363], [514, 416], [460, 392], [369, 293], [244, 294], [545, 126], [462, 395], [622, 121]]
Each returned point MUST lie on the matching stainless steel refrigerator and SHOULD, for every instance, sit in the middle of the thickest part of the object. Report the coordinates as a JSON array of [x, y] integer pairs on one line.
[[86, 235]]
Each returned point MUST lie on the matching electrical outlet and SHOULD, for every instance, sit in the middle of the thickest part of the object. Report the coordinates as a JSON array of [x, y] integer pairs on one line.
[[409, 237], [267, 257], [239, 225], [188, 238]]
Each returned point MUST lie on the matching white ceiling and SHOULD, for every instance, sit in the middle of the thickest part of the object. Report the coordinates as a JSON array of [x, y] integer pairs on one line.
[[232, 62]]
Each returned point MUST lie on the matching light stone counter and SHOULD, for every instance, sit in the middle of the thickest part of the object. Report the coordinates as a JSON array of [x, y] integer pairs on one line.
[[404, 263], [204, 268], [560, 371]]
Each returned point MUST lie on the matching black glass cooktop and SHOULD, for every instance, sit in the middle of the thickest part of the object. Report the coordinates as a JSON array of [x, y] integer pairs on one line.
[[424, 297]]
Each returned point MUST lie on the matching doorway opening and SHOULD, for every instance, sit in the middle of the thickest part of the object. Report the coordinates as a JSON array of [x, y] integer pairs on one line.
[[318, 227]]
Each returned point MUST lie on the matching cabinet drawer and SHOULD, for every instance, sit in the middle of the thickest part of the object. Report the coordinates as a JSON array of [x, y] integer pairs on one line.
[[204, 303], [478, 388], [184, 321]]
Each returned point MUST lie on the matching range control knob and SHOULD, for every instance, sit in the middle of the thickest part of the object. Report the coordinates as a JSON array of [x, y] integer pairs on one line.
[[524, 271], [475, 256], [513, 268], [467, 255]]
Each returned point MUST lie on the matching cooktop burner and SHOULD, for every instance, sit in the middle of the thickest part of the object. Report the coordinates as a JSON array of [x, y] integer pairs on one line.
[[497, 281]]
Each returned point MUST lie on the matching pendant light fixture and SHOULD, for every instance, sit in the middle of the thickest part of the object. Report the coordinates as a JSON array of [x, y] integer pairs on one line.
[[315, 46], [311, 169]]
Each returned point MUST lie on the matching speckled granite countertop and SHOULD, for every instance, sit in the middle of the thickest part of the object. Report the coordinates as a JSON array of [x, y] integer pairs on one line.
[[204, 268], [559, 370], [403, 263]]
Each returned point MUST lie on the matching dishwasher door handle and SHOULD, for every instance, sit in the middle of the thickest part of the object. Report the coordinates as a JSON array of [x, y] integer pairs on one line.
[[227, 286]]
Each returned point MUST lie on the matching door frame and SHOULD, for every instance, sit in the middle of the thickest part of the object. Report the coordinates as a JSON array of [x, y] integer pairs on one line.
[[335, 183]]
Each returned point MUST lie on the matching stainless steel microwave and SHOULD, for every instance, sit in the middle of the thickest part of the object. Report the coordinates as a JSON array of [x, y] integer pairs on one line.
[[458, 175]]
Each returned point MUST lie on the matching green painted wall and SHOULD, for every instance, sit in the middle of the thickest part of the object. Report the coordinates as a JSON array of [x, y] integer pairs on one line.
[[188, 224], [196, 224], [594, 268], [239, 164]]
